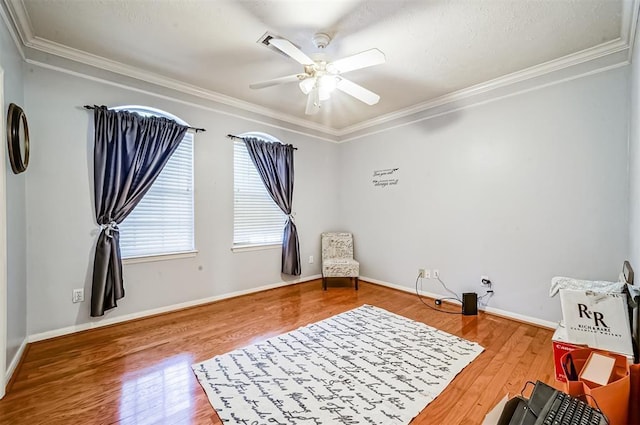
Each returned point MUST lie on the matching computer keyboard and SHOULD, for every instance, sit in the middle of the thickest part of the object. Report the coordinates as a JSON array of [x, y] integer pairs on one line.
[[567, 410], [548, 406]]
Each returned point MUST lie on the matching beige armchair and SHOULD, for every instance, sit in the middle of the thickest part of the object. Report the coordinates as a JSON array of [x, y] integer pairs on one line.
[[337, 257]]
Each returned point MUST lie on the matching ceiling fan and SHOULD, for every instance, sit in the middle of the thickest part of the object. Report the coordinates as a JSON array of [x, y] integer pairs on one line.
[[321, 77]]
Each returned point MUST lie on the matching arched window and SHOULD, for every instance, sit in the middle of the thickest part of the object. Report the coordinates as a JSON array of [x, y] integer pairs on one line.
[[257, 220], [162, 223]]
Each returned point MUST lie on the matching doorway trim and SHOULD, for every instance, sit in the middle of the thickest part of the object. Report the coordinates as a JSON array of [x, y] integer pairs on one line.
[[3, 244]]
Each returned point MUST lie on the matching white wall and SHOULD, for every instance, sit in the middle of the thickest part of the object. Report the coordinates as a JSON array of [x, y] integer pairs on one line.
[[62, 229], [520, 189], [11, 63], [634, 157]]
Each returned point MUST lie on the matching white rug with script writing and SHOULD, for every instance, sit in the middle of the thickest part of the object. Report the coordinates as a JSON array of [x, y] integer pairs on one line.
[[364, 366]]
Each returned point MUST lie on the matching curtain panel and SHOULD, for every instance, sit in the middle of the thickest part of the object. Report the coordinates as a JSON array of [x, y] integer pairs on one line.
[[274, 162], [129, 153]]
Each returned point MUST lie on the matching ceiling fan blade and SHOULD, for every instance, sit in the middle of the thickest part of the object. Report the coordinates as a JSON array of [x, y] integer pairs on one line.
[[287, 47], [359, 60], [357, 91], [313, 102], [281, 80]]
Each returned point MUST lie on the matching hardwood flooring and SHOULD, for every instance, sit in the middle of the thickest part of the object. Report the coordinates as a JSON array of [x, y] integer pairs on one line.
[[139, 372]]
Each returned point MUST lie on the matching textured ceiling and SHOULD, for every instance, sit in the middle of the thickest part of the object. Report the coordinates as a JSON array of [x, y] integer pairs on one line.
[[432, 47]]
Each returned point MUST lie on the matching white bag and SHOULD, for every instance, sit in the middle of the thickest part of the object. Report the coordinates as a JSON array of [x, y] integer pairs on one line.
[[599, 320]]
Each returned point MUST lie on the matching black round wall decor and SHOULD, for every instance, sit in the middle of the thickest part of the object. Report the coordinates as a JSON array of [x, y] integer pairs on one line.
[[17, 138]]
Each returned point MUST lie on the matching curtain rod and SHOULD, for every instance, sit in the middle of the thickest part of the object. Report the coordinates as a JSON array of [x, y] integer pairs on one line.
[[189, 127], [231, 136]]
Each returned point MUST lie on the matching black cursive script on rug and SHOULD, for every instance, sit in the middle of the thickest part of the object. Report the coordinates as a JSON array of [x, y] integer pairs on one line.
[[364, 366]]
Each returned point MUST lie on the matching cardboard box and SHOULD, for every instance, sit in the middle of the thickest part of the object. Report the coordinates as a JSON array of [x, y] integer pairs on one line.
[[561, 346], [560, 343], [598, 370], [599, 320], [612, 398], [493, 416]]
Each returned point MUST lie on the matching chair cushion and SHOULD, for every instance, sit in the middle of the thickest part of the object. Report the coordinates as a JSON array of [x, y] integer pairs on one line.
[[340, 267]]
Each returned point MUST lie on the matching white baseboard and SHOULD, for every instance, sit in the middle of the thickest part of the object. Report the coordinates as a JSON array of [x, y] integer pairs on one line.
[[495, 311], [166, 309], [15, 361], [521, 317]]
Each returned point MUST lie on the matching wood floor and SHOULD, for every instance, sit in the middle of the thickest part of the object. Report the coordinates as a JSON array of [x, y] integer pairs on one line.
[[139, 372]]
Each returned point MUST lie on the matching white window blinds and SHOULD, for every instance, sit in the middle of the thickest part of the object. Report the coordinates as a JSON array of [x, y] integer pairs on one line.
[[162, 223], [257, 220]]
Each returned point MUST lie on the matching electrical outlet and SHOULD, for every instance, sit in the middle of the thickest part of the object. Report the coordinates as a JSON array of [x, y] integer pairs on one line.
[[427, 274], [311, 259], [420, 273], [77, 295], [436, 273]]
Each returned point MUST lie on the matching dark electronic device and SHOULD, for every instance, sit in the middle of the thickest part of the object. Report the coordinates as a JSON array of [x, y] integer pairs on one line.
[[470, 304], [634, 314], [549, 406]]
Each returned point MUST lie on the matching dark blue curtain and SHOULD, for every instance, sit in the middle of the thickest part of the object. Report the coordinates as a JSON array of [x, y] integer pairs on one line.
[[129, 153], [274, 162]]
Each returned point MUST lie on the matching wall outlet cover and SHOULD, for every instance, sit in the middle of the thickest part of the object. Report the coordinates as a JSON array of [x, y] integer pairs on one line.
[[77, 296]]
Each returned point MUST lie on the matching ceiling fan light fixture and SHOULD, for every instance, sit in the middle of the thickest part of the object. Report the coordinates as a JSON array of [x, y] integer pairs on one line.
[[322, 76], [323, 94], [313, 102], [328, 82], [307, 84], [326, 85]]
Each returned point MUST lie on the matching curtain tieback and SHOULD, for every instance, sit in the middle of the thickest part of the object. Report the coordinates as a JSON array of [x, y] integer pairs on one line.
[[290, 216], [109, 227]]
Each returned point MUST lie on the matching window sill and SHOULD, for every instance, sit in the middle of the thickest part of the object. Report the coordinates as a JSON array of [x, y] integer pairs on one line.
[[159, 257], [257, 247]]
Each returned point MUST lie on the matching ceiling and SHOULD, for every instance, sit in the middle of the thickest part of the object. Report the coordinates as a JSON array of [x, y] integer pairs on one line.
[[432, 48]]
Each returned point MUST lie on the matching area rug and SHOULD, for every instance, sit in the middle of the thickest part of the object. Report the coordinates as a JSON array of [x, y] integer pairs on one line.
[[364, 366]]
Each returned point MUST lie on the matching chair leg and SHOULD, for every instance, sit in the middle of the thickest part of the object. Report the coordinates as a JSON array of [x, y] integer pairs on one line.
[[324, 283], [356, 283]]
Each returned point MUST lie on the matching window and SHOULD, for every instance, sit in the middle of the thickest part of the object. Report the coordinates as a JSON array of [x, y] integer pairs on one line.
[[257, 220], [162, 223]]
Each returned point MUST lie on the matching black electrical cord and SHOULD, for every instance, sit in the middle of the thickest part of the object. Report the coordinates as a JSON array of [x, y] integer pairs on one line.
[[598, 407], [489, 294], [431, 307]]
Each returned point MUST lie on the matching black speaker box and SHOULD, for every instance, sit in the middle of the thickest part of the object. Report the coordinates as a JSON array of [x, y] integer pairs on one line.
[[470, 304]]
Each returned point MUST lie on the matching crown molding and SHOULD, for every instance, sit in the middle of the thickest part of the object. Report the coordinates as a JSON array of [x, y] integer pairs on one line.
[[533, 72], [99, 62], [624, 43], [20, 17], [629, 15], [8, 18], [629, 24], [185, 100], [436, 112]]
